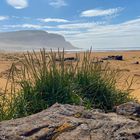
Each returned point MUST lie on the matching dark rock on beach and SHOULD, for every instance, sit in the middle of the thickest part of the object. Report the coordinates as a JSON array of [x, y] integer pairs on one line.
[[67, 59], [137, 62], [112, 57]]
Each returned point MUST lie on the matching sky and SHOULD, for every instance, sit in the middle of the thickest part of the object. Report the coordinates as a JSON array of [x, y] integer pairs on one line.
[[102, 24]]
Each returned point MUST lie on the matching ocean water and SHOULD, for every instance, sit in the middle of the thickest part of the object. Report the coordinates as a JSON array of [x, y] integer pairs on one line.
[[24, 49], [116, 49]]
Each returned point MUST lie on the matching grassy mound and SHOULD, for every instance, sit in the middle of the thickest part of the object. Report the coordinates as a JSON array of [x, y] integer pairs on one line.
[[42, 80]]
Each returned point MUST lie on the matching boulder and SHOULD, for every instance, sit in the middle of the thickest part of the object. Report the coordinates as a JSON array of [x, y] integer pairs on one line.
[[113, 57], [137, 62], [70, 59], [67, 122], [130, 108], [67, 59], [119, 57]]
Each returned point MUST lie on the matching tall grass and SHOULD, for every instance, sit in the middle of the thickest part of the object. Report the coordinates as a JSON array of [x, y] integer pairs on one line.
[[43, 81]]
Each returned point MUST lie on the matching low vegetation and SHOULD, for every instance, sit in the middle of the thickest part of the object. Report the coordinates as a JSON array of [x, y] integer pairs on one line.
[[39, 81]]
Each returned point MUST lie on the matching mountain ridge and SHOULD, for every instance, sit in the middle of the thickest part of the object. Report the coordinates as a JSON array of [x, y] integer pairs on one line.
[[33, 39]]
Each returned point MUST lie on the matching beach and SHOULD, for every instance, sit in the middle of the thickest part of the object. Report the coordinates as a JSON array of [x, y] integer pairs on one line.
[[129, 66]]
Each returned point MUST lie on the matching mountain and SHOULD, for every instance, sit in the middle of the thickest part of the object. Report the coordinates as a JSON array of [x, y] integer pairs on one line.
[[32, 39]]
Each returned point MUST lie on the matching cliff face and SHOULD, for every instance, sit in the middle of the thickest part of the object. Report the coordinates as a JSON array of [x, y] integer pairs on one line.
[[66, 122], [33, 39]]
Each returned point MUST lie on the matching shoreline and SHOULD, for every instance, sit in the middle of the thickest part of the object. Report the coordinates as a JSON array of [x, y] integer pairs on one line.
[[68, 51]]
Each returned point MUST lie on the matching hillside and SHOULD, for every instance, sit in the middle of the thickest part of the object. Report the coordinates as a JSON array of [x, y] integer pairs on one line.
[[32, 39]]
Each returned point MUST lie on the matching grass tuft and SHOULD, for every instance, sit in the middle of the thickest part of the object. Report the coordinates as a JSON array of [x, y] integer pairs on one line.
[[43, 81]]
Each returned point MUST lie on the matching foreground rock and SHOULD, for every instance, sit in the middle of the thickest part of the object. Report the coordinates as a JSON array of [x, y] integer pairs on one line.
[[127, 109], [66, 122]]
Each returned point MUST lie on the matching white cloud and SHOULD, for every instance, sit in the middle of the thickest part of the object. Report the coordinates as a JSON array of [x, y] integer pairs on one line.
[[100, 12], [3, 18], [65, 33], [27, 26], [31, 26], [58, 3], [125, 35], [18, 4], [54, 20], [80, 25], [21, 18], [103, 36]]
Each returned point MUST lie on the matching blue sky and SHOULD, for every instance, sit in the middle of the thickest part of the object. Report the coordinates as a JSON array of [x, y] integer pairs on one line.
[[98, 23]]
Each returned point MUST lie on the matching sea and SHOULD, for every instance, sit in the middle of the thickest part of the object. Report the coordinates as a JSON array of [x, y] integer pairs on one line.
[[24, 49]]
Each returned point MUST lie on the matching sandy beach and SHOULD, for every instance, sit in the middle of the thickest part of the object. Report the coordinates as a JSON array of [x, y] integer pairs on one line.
[[129, 66]]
